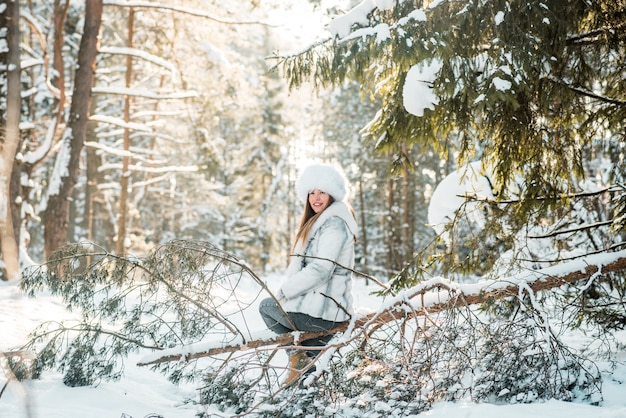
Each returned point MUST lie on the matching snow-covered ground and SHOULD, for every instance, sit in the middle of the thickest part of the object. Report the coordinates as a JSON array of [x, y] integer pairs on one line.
[[141, 392]]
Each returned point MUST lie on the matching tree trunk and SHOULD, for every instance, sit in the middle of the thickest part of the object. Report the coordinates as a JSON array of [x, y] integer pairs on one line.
[[390, 230], [67, 166], [10, 104], [363, 228], [58, 76], [407, 209], [407, 227], [124, 182]]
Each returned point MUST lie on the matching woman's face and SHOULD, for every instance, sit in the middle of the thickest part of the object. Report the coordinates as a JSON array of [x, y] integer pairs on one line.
[[318, 200]]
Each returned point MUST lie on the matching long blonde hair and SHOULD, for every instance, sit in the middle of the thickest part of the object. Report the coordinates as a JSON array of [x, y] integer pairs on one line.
[[306, 222]]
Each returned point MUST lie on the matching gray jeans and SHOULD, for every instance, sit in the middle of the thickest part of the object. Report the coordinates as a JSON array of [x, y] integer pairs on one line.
[[277, 322]]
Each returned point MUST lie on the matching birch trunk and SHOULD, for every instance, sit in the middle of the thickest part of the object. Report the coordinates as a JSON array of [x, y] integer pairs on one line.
[[9, 138]]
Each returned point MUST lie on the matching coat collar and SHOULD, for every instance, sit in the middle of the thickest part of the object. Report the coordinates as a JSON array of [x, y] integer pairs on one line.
[[341, 210]]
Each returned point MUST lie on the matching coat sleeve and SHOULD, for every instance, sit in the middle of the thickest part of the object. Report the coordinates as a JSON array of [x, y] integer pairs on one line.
[[331, 241]]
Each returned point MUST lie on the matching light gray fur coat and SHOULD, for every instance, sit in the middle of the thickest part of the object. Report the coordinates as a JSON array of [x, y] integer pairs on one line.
[[317, 286]]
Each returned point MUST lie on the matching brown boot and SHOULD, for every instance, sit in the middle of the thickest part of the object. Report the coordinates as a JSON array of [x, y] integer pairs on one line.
[[298, 360]]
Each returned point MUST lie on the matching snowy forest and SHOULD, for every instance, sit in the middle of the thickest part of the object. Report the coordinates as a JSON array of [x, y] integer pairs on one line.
[[149, 151]]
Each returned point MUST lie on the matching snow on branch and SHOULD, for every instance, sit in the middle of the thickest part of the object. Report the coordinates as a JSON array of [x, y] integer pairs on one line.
[[120, 122], [33, 157], [426, 298], [123, 91], [140, 54], [154, 170]]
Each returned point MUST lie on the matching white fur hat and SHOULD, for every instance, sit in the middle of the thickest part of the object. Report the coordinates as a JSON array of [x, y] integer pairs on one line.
[[325, 177]]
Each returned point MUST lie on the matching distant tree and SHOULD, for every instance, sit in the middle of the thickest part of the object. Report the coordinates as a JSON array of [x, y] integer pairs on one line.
[[122, 222], [270, 184], [195, 125], [167, 76], [151, 174]]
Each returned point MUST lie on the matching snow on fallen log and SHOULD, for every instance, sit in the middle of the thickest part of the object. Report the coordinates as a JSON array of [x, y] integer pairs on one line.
[[427, 297]]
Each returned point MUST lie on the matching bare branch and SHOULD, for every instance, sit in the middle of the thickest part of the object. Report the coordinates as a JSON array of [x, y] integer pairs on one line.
[[185, 10], [609, 189], [570, 230], [358, 273]]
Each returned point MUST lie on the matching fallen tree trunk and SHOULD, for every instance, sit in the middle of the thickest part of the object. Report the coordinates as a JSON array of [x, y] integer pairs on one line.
[[450, 295]]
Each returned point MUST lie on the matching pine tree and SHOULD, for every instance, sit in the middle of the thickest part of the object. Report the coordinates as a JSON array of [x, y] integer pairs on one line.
[[531, 89]]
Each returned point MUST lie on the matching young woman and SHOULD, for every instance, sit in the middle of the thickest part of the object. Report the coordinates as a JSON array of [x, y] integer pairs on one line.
[[317, 294]]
